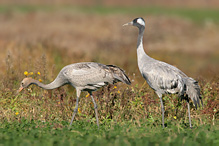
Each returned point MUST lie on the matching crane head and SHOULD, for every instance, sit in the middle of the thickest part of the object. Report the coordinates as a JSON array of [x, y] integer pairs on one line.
[[24, 83], [139, 22]]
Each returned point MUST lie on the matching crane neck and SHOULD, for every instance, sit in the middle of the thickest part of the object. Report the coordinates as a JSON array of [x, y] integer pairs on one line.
[[140, 36], [140, 49], [55, 84]]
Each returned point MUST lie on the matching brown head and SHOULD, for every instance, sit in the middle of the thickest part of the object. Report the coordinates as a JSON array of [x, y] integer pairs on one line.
[[25, 83]]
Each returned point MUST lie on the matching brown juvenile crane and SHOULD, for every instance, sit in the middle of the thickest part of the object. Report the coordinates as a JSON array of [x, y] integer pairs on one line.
[[85, 76], [162, 77]]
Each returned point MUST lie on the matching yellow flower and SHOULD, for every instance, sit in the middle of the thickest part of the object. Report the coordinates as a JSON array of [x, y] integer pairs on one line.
[[16, 113], [79, 111], [31, 73], [174, 117], [118, 91], [59, 102], [87, 95], [26, 73], [40, 80], [115, 87], [38, 73]]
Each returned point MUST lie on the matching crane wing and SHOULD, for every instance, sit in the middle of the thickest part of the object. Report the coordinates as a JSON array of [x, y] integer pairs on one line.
[[87, 74], [164, 77]]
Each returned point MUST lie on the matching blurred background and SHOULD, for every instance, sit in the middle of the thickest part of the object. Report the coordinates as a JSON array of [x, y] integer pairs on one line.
[[45, 35]]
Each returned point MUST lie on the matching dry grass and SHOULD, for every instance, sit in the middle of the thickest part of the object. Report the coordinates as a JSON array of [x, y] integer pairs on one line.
[[77, 37]]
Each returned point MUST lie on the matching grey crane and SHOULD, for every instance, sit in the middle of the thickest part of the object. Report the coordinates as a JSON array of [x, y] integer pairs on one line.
[[162, 77], [84, 76]]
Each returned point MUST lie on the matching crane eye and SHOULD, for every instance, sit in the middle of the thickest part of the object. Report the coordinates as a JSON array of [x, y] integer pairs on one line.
[[22, 83]]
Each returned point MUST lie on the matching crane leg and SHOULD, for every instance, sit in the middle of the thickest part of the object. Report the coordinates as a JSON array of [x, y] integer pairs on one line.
[[190, 124], [95, 108], [78, 92], [162, 108]]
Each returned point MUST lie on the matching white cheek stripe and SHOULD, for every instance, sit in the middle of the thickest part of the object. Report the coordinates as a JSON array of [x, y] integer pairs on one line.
[[140, 21]]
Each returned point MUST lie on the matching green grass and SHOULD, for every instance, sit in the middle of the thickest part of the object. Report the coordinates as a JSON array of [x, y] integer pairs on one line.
[[198, 15], [85, 133]]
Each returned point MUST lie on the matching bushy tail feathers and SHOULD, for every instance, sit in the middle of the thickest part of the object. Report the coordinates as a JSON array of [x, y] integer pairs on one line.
[[119, 74], [193, 91]]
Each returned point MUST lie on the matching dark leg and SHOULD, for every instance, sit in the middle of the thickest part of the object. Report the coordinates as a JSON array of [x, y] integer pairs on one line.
[[162, 108], [95, 108], [78, 92], [190, 124]]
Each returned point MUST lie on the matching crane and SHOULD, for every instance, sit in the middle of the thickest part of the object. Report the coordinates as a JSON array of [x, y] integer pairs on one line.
[[164, 78], [84, 76]]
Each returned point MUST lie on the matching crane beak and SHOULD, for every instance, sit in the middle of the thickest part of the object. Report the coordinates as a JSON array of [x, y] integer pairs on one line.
[[130, 23], [20, 89]]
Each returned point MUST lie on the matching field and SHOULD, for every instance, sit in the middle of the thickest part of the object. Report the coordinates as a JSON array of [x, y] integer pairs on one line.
[[38, 40]]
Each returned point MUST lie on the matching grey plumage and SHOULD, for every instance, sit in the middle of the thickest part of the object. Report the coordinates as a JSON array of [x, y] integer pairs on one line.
[[85, 76], [162, 77]]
